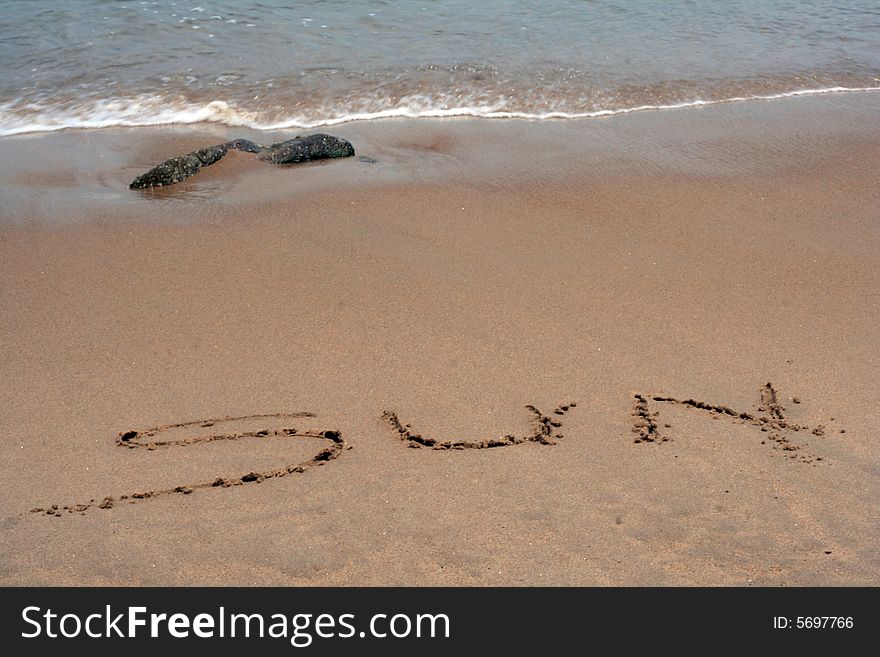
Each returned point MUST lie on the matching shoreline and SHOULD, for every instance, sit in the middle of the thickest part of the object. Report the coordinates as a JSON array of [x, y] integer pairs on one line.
[[474, 269], [210, 113], [715, 142]]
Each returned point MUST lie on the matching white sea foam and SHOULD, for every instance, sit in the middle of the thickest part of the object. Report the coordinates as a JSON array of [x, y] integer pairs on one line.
[[489, 113], [138, 112], [150, 111]]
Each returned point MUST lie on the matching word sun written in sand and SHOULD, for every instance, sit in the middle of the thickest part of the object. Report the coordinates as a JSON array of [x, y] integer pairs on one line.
[[545, 430]]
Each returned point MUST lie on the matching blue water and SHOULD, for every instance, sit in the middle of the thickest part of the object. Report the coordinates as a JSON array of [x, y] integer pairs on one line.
[[285, 63]]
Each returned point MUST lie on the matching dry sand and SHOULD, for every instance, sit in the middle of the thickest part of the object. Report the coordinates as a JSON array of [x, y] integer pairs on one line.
[[476, 268]]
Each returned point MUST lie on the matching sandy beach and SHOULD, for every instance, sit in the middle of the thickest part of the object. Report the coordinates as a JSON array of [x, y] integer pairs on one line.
[[637, 280]]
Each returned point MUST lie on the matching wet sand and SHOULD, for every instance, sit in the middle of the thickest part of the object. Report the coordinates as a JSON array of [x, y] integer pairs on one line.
[[582, 315]]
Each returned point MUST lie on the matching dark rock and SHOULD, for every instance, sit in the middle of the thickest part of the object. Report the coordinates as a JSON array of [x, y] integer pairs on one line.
[[299, 149], [304, 149], [211, 154], [169, 172], [244, 145]]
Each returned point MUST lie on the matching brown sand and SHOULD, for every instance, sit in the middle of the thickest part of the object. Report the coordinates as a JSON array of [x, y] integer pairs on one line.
[[477, 268]]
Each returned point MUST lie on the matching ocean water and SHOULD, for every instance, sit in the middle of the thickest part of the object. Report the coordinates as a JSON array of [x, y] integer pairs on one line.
[[286, 63]]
